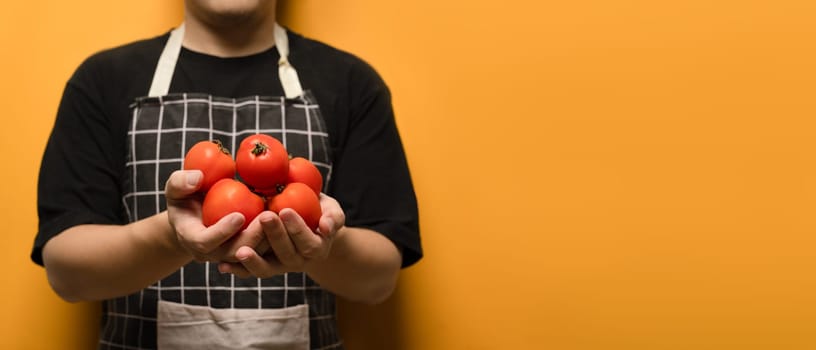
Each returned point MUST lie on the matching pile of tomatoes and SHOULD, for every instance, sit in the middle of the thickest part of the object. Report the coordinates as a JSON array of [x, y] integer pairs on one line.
[[268, 180]]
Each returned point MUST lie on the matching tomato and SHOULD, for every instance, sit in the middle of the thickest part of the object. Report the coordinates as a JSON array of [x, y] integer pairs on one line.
[[302, 199], [262, 162], [228, 196], [303, 171], [213, 160]]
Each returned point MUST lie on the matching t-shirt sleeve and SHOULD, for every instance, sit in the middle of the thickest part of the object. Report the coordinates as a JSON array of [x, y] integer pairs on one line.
[[370, 177], [78, 183]]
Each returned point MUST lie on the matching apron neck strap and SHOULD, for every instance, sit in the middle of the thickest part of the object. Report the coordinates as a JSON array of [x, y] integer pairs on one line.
[[286, 72], [169, 56], [167, 64]]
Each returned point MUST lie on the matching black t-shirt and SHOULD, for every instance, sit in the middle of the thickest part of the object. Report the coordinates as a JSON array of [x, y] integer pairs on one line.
[[83, 165]]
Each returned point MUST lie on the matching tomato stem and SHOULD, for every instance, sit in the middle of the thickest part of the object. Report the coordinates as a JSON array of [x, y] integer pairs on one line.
[[259, 149], [221, 147]]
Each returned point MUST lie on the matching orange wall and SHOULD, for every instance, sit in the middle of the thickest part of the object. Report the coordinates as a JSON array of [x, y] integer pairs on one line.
[[592, 174], [42, 44]]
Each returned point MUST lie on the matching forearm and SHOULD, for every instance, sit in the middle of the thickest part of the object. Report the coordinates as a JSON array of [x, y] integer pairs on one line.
[[95, 262], [362, 266]]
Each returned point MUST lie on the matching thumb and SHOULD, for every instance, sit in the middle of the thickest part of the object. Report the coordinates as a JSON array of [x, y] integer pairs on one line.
[[182, 183]]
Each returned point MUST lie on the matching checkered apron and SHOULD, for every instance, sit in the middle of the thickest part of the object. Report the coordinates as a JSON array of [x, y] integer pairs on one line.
[[162, 129]]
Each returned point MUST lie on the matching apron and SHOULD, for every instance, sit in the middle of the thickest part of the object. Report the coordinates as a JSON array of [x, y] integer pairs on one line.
[[197, 307]]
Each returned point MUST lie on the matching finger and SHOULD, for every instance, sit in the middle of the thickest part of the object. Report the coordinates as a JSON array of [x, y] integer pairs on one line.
[[279, 240], [333, 217], [327, 227], [252, 236], [252, 264], [234, 268], [182, 183], [206, 241], [262, 248], [308, 244], [238, 269]]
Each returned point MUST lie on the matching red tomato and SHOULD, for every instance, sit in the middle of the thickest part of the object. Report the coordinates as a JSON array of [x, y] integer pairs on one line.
[[302, 199], [228, 196], [262, 162], [303, 171], [213, 160]]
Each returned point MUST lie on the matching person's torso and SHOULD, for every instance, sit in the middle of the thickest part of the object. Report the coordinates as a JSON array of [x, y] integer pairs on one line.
[[160, 129]]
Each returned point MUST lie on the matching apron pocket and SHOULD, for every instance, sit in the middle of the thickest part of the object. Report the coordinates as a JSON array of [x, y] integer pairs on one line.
[[182, 326]]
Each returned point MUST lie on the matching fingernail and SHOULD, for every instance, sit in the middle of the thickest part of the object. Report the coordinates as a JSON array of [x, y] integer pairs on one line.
[[326, 223], [265, 217], [236, 219], [223, 268], [287, 219], [193, 177], [242, 255]]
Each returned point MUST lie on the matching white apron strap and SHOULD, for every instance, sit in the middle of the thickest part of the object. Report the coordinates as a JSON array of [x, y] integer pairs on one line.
[[167, 63], [287, 73], [169, 56]]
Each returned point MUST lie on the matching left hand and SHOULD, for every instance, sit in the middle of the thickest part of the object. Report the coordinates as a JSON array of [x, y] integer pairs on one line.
[[292, 244]]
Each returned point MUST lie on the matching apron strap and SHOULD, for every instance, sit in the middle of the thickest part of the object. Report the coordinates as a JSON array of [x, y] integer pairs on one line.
[[286, 72], [167, 63], [163, 75]]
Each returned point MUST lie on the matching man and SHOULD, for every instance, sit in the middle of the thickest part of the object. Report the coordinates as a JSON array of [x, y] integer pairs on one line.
[[120, 222]]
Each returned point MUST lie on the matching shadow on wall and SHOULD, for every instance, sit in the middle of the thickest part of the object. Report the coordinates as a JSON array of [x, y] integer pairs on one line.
[[367, 327], [88, 318]]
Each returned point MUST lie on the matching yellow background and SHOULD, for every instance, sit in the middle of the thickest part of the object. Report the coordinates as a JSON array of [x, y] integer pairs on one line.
[[592, 174]]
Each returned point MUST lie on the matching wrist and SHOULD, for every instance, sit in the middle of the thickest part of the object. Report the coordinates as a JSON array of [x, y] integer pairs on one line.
[[316, 268], [171, 239]]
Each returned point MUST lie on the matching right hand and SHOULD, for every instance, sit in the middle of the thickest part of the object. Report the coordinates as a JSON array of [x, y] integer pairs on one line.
[[203, 243]]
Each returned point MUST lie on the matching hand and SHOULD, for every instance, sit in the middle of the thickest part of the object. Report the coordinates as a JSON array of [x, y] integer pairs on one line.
[[218, 242], [294, 246]]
